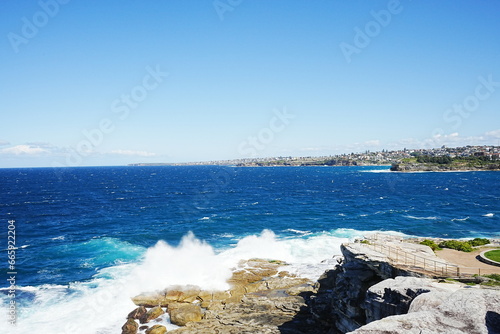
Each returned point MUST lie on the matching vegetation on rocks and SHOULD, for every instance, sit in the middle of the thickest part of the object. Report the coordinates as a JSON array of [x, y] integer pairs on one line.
[[478, 242], [493, 280], [462, 246], [495, 277], [431, 244], [438, 160]]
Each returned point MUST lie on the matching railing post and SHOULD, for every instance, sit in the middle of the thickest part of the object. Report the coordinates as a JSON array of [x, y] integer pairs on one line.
[[406, 257]]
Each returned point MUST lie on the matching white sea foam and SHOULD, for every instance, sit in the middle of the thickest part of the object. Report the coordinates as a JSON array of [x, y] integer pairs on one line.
[[20, 247], [460, 219], [422, 218], [388, 170], [226, 235], [297, 231], [489, 215], [101, 304], [193, 262]]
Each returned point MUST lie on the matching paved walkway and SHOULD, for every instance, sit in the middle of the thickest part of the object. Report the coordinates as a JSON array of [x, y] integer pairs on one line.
[[408, 256], [419, 258], [468, 260]]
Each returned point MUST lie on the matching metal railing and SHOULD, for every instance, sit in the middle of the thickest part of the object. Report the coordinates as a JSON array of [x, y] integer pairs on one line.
[[423, 264]]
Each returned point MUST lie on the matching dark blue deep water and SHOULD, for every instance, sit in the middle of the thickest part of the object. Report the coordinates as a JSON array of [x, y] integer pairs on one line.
[[74, 224]]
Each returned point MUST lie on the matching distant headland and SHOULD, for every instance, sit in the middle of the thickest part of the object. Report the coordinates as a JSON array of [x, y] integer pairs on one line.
[[406, 160]]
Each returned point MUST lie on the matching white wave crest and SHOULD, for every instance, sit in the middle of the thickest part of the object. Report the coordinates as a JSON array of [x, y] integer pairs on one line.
[[422, 218], [101, 304]]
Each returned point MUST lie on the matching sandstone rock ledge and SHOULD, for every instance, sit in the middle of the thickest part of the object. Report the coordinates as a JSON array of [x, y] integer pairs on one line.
[[260, 300], [366, 294], [465, 311]]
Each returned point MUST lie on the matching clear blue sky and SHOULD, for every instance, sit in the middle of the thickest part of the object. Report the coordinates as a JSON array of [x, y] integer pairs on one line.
[[116, 82]]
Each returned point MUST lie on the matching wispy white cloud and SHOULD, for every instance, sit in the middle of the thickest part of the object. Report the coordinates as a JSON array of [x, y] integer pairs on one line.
[[451, 140], [44, 145], [37, 149], [4, 143], [495, 134], [134, 153], [24, 150], [375, 142], [311, 149]]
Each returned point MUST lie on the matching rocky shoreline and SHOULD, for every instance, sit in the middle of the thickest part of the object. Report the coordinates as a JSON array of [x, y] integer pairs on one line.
[[262, 299], [363, 294], [431, 167]]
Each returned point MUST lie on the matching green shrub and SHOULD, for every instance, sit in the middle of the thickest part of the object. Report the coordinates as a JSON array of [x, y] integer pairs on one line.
[[478, 242], [431, 244], [496, 277], [463, 246], [495, 280]]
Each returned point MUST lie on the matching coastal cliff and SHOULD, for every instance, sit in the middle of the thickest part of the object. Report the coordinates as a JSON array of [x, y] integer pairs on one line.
[[342, 295], [369, 294], [435, 167], [364, 294]]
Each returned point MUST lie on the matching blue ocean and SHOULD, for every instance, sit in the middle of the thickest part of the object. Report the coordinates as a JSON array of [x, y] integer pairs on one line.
[[89, 238]]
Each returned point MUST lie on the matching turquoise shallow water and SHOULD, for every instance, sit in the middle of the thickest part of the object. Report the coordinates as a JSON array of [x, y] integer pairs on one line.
[[82, 230]]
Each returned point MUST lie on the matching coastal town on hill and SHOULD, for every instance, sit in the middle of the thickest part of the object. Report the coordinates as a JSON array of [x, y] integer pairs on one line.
[[483, 153]]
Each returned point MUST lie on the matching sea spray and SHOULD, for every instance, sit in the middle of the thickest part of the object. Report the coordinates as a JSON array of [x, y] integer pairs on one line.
[[264, 246], [101, 304], [193, 262]]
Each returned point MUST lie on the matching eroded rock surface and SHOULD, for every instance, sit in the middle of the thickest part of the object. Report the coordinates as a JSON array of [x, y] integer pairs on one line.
[[465, 311], [185, 313], [366, 294], [394, 296], [130, 327], [261, 299], [156, 329]]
